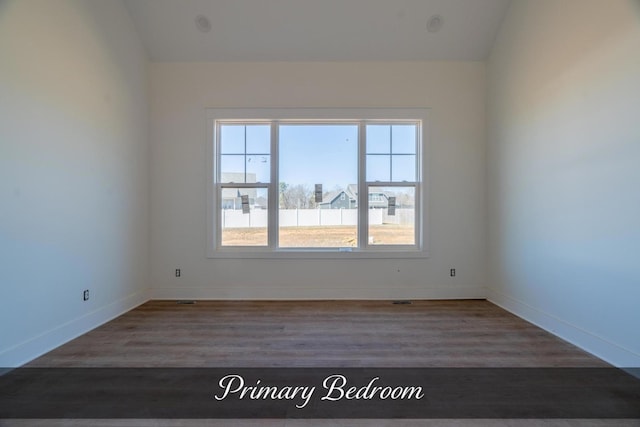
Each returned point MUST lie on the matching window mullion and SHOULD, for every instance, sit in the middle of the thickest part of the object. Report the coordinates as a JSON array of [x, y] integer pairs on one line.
[[363, 204], [391, 153], [419, 208], [217, 196], [416, 215], [245, 153], [243, 185], [274, 192], [391, 183]]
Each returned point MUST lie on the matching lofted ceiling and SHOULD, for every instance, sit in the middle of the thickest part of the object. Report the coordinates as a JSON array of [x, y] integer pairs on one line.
[[317, 30]]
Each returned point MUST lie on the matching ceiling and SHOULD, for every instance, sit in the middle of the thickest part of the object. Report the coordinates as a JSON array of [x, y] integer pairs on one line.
[[317, 30]]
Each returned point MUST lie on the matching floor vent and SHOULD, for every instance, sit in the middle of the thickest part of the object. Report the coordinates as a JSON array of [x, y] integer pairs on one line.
[[186, 302], [402, 302]]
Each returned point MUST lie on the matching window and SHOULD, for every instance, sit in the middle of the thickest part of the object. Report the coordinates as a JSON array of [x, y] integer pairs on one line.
[[317, 182]]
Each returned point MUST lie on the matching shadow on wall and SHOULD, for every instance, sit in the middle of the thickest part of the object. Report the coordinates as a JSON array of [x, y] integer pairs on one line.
[[636, 6], [575, 51]]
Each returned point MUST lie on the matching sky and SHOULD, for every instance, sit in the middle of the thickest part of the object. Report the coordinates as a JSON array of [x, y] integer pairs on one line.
[[320, 154]]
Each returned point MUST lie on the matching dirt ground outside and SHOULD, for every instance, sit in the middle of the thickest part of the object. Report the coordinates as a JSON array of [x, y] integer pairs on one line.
[[320, 237]]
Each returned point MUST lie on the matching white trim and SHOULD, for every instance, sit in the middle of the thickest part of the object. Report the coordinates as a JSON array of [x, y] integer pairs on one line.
[[278, 293], [381, 252], [598, 346], [360, 115], [343, 114], [211, 190], [35, 347], [425, 184]]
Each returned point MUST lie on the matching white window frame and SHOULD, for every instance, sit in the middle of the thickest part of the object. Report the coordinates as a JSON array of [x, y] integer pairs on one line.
[[362, 116]]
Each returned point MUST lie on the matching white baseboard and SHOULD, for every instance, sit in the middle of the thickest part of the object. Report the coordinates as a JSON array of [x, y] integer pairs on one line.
[[324, 293], [600, 347], [34, 347]]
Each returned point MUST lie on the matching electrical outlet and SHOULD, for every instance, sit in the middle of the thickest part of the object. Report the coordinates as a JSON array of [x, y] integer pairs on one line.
[[85, 295], [178, 272], [452, 273]]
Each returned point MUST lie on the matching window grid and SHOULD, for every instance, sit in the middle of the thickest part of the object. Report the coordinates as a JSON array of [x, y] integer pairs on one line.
[[245, 154], [272, 227], [363, 184]]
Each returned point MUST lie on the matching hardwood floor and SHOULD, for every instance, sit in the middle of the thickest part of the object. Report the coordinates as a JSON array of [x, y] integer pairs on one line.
[[470, 333], [319, 334]]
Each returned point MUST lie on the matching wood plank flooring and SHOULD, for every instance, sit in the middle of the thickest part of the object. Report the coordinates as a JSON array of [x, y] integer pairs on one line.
[[470, 333], [318, 334]]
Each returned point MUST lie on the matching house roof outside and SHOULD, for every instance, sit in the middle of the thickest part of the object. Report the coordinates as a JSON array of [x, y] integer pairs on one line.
[[328, 198], [352, 192]]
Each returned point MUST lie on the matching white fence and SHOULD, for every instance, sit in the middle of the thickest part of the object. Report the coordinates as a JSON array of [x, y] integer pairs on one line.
[[314, 217]]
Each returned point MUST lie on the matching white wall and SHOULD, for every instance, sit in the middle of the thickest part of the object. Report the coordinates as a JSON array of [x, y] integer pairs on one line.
[[180, 93], [564, 171], [73, 171]]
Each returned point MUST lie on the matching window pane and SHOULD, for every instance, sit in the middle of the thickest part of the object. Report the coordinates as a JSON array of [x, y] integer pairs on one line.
[[378, 139], [378, 168], [232, 168], [240, 228], [232, 139], [403, 139], [389, 224], [404, 168], [318, 154], [258, 139], [258, 168], [240, 139]]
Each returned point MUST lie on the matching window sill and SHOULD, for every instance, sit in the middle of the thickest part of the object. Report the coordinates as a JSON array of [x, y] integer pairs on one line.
[[317, 254]]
